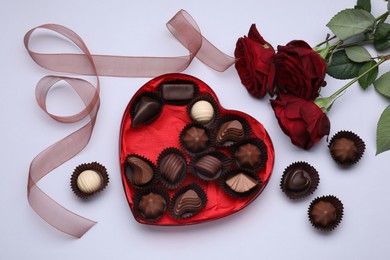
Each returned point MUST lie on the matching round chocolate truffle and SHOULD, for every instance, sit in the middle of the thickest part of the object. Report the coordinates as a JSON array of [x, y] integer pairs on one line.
[[326, 212], [250, 153], [88, 179], [346, 148], [202, 111], [299, 180]]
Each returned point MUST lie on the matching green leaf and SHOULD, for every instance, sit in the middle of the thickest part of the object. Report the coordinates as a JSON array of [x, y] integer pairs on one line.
[[364, 4], [358, 54], [351, 22], [383, 132], [370, 77], [382, 37], [382, 85], [343, 68]]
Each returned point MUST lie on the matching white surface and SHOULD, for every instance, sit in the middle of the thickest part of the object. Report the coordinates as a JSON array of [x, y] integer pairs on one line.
[[272, 227]]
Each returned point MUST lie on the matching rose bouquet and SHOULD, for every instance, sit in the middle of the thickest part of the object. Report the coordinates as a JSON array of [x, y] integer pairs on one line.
[[295, 73]]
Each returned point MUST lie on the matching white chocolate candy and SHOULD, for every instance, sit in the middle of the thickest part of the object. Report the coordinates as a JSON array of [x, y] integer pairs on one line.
[[202, 111], [89, 181]]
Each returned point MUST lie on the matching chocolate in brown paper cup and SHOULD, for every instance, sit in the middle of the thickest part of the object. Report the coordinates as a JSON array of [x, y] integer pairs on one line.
[[171, 167], [178, 91], [188, 201], [250, 153], [240, 183], [210, 166], [196, 139], [299, 180], [325, 213], [145, 108], [230, 129], [204, 110], [88, 179], [140, 172], [151, 203], [346, 148]]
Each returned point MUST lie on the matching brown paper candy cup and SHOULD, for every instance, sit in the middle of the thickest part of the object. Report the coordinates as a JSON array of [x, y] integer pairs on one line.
[[88, 179], [326, 212], [299, 180], [240, 183], [346, 148]]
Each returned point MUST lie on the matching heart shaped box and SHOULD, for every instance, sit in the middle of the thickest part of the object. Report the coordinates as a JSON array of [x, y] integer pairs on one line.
[[150, 139]]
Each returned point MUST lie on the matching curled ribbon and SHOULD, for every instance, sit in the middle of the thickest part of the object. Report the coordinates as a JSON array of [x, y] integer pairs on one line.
[[182, 26]]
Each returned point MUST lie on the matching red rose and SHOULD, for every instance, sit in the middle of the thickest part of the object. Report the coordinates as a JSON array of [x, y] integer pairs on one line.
[[299, 70], [302, 120], [254, 63]]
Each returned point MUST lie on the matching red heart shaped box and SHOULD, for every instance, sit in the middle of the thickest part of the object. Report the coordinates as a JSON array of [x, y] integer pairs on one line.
[[149, 140]]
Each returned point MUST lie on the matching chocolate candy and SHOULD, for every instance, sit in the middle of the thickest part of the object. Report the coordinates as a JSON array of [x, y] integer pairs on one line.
[[152, 206], [195, 139], [325, 212], [241, 183], [202, 111], [299, 180], [89, 181], [231, 131], [171, 167], [248, 155], [145, 110], [177, 93], [138, 170], [187, 203], [346, 148], [208, 166]]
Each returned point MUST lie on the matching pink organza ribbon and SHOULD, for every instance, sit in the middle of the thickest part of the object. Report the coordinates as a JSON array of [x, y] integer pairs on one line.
[[182, 26]]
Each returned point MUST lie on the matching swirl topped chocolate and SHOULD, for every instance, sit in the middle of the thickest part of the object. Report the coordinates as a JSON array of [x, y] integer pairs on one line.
[[231, 131], [138, 171]]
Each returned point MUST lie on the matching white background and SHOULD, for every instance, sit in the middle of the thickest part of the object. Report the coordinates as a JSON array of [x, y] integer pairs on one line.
[[272, 227]]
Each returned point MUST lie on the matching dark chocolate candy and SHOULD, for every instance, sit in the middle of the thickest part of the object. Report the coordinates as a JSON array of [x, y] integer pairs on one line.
[[297, 180], [152, 205], [172, 167], [138, 171], [187, 203], [231, 131], [248, 155], [145, 110], [195, 139], [241, 183], [177, 92], [208, 165]]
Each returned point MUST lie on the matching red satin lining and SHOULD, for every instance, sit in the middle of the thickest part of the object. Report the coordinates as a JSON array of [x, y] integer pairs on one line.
[[182, 26]]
